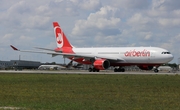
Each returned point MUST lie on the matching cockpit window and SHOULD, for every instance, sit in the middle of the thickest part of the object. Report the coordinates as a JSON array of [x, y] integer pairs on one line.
[[165, 53]]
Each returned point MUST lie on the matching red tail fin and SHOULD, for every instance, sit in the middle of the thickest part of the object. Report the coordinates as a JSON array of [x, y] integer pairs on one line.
[[61, 39]]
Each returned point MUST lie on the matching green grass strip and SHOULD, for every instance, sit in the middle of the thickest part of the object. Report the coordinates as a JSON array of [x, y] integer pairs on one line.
[[90, 92]]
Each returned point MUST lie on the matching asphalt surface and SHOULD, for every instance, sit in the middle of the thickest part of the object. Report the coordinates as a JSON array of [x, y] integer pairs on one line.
[[85, 72]]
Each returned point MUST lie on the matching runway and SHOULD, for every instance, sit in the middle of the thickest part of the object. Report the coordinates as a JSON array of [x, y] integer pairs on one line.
[[85, 72]]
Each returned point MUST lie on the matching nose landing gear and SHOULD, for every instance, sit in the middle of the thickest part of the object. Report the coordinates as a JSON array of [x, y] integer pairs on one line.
[[156, 70]]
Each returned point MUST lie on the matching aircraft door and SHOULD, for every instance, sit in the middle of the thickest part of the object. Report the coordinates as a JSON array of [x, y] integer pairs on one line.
[[152, 57]]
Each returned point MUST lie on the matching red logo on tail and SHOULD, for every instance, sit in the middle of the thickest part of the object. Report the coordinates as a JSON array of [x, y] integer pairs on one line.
[[58, 35], [59, 38]]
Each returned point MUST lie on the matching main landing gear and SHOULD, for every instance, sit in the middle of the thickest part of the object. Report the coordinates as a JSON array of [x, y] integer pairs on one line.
[[120, 69], [93, 70]]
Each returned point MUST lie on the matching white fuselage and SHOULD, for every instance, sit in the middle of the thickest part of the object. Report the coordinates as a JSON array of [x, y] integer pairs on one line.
[[129, 55]]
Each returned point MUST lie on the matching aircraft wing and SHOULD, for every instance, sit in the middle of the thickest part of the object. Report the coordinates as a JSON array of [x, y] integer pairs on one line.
[[44, 48], [86, 56], [55, 53], [32, 51]]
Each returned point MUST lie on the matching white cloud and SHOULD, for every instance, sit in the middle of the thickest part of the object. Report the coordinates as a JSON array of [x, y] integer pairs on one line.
[[169, 22], [138, 18], [129, 4], [165, 5], [89, 4], [7, 38], [141, 22], [35, 22], [104, 19]]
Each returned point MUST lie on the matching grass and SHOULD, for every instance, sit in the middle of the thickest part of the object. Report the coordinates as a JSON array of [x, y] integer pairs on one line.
[[89, 92]]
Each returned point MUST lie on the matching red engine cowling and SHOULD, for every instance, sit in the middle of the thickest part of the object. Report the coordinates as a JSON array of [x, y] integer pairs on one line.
[[101, 64], [146, 67]]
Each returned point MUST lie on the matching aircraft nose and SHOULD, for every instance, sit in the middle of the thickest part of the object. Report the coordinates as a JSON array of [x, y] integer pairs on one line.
[[171, 57]]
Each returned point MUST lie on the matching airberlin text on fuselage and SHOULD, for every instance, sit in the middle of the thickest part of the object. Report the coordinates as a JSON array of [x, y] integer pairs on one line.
[[137, 53]]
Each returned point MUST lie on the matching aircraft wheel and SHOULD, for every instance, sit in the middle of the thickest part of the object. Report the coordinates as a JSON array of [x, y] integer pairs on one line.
[[95, 70], [122, 70], [90, 69], [115, 70], [156, 70], [119, 70]]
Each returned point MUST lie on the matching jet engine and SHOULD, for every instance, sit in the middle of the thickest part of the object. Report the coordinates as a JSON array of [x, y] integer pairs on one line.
[[101, 64], [146, 67]]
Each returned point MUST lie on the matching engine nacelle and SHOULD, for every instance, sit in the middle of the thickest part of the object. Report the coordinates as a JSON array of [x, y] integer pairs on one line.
[[146, 67], [101, 64]]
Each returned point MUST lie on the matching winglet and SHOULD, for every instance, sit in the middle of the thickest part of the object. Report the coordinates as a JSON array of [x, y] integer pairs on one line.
[[14, 48]]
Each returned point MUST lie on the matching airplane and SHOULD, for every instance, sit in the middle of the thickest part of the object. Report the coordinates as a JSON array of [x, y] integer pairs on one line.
[[73, 65], [50, 67], [101, 58]]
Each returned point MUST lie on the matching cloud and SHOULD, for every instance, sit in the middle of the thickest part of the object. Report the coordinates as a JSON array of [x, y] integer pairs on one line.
[[7, 38], [141, 22], [21, 14], [89, 4], [165, 5], [169, 22], [175, 41], [63, 8], [129, 4], [103, 21]]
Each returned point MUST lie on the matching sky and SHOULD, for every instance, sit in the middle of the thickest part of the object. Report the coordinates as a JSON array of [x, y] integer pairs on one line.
[[88, 23]]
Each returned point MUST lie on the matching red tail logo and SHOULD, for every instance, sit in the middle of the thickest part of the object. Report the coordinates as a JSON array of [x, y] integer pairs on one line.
[[61, 40], [58, 34]]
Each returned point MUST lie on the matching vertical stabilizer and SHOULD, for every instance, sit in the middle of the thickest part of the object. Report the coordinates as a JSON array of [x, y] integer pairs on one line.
[[61, 39]]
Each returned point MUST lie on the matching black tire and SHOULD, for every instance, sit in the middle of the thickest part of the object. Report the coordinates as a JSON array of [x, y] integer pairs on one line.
[[115, 70], [90, 69], [122, 70], [94, 69], [156, 70]]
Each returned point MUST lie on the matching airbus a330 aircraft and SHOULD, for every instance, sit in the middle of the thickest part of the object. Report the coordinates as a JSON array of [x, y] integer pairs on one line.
[[102, 58]]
